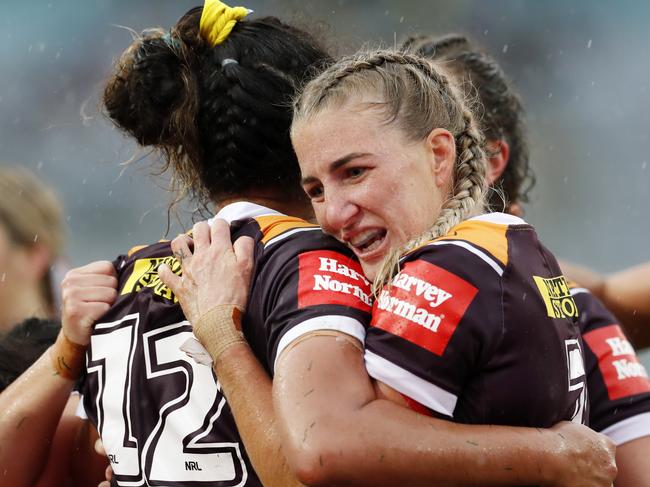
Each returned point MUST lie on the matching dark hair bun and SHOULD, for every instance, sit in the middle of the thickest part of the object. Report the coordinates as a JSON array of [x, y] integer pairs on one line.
[[146, 86]]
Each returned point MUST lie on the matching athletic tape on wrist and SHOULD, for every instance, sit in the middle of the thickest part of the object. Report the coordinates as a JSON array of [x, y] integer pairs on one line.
[[219, 329], [67, 357]]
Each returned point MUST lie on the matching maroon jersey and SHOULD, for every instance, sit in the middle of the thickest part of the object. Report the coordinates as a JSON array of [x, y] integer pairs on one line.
[[479, 326], [618, 385], [162, 416]]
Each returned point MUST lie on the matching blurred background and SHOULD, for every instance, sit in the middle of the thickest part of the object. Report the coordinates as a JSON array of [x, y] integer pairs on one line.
[[582, 68]]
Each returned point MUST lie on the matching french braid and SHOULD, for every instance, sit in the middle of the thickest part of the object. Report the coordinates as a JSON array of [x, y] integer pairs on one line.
[[416, 73]]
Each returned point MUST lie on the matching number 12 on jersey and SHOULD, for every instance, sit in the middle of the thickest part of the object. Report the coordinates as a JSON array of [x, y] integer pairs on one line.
[[176, 440]]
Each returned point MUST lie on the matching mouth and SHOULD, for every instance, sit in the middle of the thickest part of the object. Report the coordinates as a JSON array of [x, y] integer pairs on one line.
[[367, 243]]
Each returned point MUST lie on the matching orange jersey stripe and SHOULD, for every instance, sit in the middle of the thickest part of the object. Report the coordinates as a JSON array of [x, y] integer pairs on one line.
[[274, 225]]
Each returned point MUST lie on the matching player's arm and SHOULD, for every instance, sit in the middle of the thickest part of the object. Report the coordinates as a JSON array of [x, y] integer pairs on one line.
[[632, 462], [245, 383], [335, 432], [625, 293], [32, 405], [322, 390], [72, 457], [619, 389]]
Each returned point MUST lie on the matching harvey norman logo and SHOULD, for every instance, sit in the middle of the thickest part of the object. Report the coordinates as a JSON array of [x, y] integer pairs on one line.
[[628, 366], [434, 296], [623, 374], [327, 277], [325, 282], [416, 307]]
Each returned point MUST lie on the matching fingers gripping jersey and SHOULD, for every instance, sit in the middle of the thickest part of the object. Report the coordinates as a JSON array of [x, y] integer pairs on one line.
[[618, 385], [162, 417], [479, 326]]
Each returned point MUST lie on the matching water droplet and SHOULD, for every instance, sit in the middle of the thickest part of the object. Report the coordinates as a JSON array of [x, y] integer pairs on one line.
[[485, 32], [401, 20], [644, 165], [550, 95], [35, 238], [4, 275], [589, 44], [505, 48]]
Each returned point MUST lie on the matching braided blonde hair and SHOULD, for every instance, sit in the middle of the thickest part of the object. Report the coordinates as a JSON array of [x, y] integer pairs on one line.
[[419, 97]]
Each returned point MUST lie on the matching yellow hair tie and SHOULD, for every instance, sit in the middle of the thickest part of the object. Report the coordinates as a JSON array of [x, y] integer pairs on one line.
[[218, 19]]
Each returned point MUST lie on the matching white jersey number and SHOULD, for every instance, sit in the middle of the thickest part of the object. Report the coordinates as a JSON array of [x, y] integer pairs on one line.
[[176, 449], [577, 378]]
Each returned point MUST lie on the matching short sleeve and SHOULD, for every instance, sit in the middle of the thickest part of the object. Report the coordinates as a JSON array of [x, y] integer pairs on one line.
[[617, 382], [313, 291], [438, 321]]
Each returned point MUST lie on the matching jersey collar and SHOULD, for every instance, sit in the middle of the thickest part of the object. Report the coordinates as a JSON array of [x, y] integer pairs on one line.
[[499, 218], [242, 210]]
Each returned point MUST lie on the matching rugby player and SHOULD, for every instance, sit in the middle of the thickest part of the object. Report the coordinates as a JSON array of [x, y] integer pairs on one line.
[[335, 431], [619, 390]]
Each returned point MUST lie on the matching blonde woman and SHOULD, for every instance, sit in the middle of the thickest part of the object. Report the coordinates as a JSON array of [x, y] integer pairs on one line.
[[31, 240]]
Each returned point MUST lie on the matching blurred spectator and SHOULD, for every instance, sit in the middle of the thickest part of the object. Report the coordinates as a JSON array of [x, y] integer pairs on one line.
[[31, 240]]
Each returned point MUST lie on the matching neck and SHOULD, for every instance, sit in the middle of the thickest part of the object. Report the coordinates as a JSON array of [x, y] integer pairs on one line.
[[298, 207]]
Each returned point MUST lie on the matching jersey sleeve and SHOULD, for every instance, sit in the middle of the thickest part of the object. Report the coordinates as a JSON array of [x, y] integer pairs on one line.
[[311, 291], [617, 382], [440, 318]]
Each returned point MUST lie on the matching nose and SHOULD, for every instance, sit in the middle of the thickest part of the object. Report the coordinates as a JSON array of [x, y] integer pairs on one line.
[[339, 213]]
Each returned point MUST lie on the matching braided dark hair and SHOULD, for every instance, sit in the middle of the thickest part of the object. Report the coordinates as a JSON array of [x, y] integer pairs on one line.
[[220, 115], [502, 116], [418, 97]]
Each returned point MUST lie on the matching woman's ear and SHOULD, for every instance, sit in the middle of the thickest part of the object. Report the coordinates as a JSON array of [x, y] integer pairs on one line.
[[499, 153], [442, 147]]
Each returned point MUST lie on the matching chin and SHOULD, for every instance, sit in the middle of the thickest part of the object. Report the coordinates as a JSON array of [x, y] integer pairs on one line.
[[370, 269]]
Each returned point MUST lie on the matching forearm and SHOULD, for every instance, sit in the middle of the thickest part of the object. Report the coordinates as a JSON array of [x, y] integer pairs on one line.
[[31, 409], [247, 387], [627, 295], [336, 432], [632, 461], [390, 445]]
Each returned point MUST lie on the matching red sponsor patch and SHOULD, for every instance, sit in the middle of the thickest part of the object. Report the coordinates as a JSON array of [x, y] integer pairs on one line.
[[424, 305], [327, 277], [621, 370]]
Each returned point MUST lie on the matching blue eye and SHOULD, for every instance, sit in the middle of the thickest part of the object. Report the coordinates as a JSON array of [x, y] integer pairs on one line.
[[314, 192]]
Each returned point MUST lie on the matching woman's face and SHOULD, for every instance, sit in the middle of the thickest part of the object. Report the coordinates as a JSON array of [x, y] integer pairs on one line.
[[370, 186]]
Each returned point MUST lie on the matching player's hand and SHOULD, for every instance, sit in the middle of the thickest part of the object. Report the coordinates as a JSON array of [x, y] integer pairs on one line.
[[215, 272], [108, 473], [587, 458], [87, 293]]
